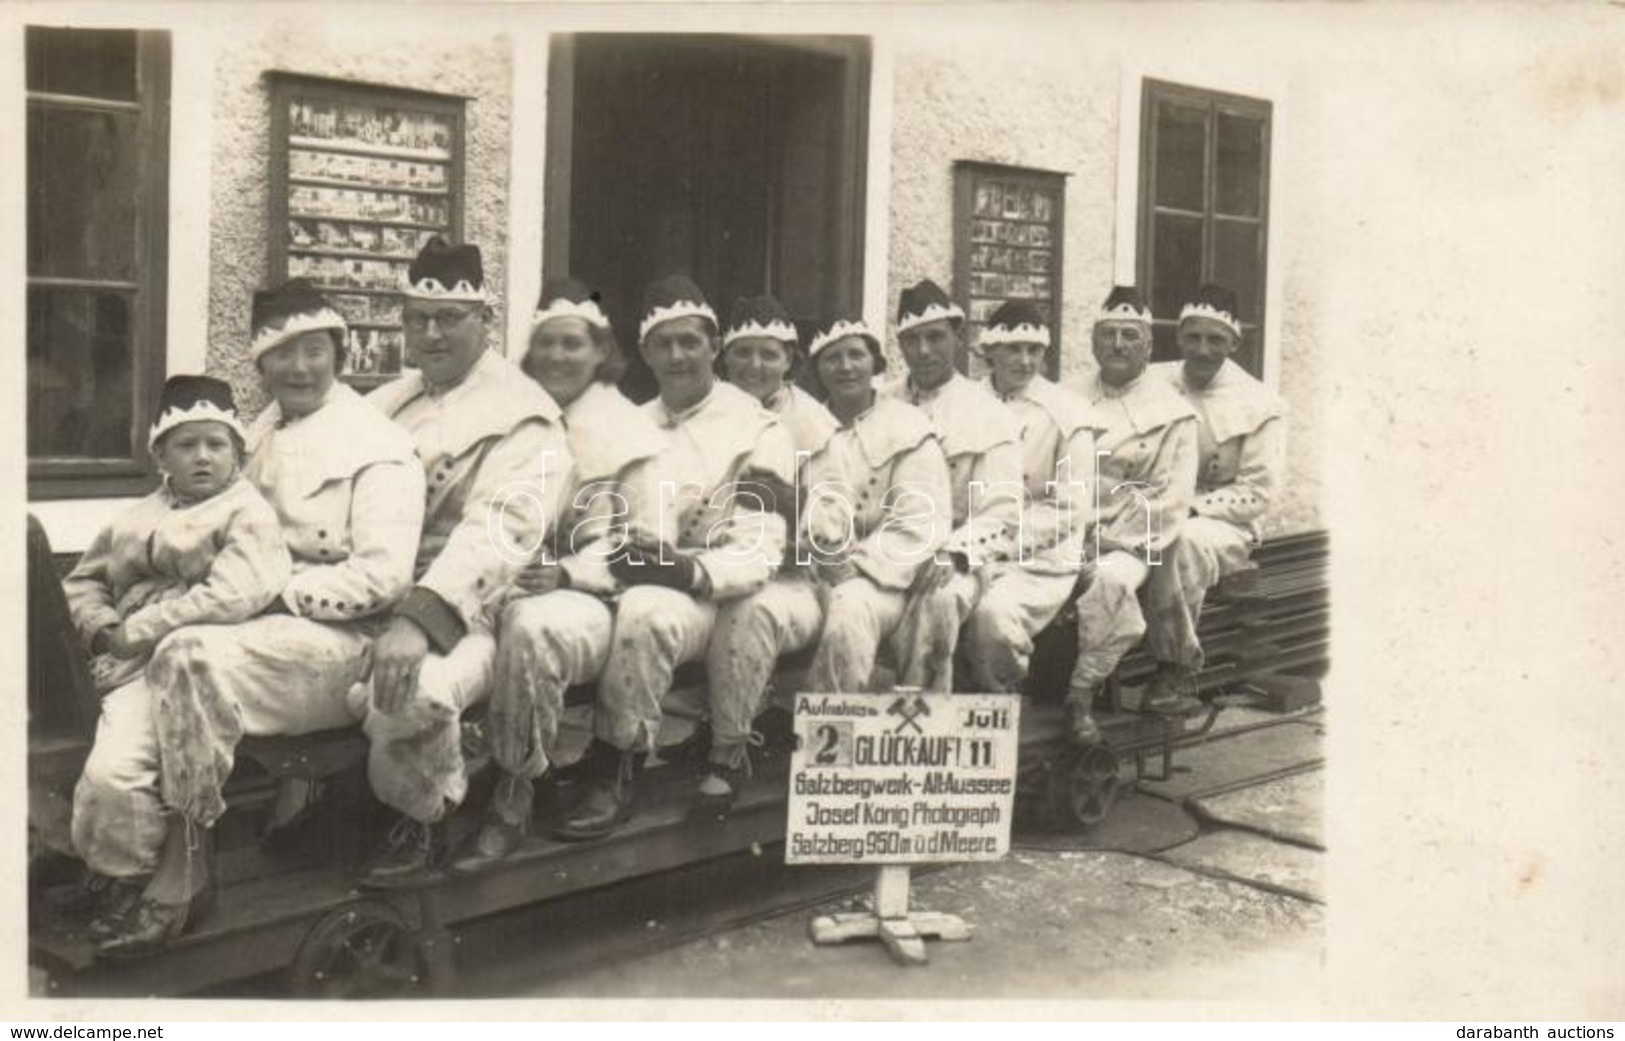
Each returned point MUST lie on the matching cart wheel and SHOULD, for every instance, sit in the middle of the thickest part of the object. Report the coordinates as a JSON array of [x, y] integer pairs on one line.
[[361, 951], [1083, 786]]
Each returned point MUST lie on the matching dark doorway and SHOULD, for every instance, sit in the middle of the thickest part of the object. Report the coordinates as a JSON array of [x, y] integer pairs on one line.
[[736, 160]]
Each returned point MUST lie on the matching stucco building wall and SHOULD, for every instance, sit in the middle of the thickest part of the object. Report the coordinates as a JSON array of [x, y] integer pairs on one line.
[[956, 97], [1050, 98], [470, 60]]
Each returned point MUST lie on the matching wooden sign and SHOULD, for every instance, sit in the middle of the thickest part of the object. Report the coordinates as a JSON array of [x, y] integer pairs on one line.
[[902, 778]]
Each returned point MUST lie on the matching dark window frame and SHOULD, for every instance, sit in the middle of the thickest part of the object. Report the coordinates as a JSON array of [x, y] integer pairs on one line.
[[1250, 355], [72, 478]]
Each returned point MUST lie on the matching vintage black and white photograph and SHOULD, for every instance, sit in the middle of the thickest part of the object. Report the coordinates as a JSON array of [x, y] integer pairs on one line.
[[781, 502]]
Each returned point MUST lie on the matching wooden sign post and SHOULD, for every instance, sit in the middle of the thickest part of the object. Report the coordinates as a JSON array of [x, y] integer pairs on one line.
[[904, 932], [899, 779]]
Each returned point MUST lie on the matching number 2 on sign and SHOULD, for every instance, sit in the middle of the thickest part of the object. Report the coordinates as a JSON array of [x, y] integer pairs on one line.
[[832, 745], [829, 738]]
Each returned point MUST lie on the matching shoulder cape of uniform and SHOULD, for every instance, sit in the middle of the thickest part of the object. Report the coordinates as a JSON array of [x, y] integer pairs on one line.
[[1150, 403], [970, 416], [727, 427], [1233, 405], [891, 428], [494, 399], [607, 433], [810, 423], [337, 441], [1067, 410]]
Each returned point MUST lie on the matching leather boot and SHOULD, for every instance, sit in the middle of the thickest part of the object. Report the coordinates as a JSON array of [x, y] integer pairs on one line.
[[506, 824], [406, 856], [104, 903], [152, 926], [725, 776], [117, 906], [153, 923], [611, 780], [1169, 693]]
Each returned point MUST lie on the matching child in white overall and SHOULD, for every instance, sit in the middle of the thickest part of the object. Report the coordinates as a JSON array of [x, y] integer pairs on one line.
[[204, 548]]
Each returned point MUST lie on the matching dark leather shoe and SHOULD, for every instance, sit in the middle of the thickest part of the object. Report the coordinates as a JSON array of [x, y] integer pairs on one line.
[[607, 802], [604, 807], [114, 904], [83, 899], [153, 926], [405, 858], [1169, 693], [93, 895], [720, 786]]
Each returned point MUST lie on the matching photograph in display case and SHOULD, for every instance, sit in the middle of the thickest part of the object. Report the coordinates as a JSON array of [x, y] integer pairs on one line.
[[1007, 236], [363, 176], [315, 120]]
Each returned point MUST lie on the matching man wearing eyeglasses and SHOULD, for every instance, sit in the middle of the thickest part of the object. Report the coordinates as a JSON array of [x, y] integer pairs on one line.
[[495, 457]]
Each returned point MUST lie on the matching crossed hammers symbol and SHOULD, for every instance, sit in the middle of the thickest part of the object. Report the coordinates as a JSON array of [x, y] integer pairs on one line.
[[910, 713]]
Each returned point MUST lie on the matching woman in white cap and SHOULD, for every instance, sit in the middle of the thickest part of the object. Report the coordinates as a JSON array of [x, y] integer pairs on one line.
[[761, 356], [879, 506], [204, 549], [554, 631]]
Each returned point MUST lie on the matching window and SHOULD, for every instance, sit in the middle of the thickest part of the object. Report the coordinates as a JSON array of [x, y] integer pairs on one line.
[[98, 145], [1204, 206]]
